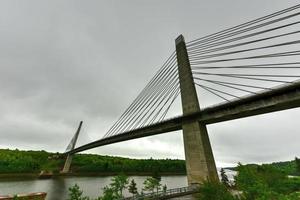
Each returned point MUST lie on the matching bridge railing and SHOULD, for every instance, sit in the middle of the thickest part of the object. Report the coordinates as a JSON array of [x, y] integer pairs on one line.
[[166, 193]]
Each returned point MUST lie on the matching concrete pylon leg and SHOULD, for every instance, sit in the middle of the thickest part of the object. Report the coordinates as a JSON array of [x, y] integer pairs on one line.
[[67, 165], [199, 158], [70, 147], [200, 163]]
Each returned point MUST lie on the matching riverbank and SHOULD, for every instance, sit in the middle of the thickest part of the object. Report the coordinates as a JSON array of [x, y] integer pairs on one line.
[[97, 174], [30, 163], [19, 175]]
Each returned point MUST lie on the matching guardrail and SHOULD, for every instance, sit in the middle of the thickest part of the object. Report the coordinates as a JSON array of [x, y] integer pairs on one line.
[[175, 192]]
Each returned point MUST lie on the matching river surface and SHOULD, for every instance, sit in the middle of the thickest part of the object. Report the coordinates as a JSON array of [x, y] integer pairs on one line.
[[57, 188]]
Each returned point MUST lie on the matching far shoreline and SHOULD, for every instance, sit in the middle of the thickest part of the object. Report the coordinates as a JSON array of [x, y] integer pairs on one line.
[[5, 176]]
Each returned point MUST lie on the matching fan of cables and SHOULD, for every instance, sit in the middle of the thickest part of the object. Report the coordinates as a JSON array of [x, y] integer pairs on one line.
[[256, 55], [153, 103]]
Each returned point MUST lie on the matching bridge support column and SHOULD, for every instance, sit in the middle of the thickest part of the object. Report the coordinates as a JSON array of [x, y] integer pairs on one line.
[[200, 163], [70, 147], [67, 164]]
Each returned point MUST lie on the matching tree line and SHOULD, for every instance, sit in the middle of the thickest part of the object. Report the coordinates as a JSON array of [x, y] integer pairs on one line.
[[16, 161]]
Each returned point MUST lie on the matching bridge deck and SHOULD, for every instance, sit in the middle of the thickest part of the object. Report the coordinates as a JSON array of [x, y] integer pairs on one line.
[[277, 99]]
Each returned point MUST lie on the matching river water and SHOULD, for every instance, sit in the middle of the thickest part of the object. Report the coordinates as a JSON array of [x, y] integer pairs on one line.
[[57, 188]]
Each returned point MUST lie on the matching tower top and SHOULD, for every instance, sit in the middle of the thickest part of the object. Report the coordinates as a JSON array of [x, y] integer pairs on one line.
[[179, 39]]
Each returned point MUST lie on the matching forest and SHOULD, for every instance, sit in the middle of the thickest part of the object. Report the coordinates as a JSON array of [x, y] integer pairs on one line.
[[287, 167], [17, 161]]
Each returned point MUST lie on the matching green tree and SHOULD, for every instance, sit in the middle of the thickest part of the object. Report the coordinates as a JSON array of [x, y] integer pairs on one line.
[[156, 175], [165, 188], [150, 184], [224, 178], [297, 161], [214, 191], [265, 182], [118, 184], [108, 194], [249, 182], [76, 194], [132, 188]]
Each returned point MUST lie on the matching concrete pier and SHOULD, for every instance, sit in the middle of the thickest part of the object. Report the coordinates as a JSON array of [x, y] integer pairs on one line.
[[72, 144], [199, 157], [67, 164]]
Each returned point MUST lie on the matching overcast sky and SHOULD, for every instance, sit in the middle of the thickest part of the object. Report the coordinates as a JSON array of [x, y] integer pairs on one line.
[[66, 61]]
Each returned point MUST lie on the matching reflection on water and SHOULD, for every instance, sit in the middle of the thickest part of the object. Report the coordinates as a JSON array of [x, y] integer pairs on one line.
[[57, 188]]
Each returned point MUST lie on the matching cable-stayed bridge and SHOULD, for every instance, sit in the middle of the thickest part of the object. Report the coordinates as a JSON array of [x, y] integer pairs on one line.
[[252, 68]]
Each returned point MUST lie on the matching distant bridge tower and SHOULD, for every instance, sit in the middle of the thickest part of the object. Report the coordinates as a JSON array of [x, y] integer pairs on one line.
[[70, 147], [200, 163]]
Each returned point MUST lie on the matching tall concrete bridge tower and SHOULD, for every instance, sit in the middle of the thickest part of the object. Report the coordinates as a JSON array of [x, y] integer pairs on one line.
[[200, 163], [71, 146]]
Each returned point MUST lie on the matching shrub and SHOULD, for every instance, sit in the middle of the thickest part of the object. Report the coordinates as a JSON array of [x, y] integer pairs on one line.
[[215, 191]]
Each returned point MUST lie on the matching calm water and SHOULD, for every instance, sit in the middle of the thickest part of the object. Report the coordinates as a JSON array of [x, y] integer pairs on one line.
[[57, 188]]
